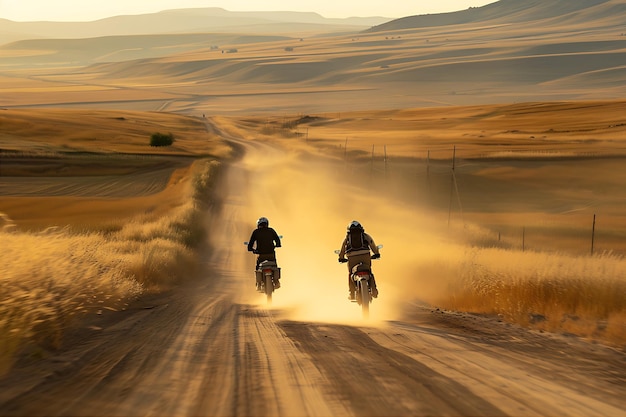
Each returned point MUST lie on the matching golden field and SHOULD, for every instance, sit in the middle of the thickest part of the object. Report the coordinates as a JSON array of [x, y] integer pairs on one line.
[[487, 208], [467, 227]]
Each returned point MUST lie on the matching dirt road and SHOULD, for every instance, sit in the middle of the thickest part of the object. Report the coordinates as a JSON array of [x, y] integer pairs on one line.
[[215, 348]]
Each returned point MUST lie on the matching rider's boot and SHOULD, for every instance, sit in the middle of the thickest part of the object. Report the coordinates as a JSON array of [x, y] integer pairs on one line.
[[374, 290], [276, 283], [351, 289], [259, 279]]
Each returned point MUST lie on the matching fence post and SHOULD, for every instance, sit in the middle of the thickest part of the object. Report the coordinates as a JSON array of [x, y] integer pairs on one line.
[[385, 149], [451, 194], [593, 232], [453, 157]]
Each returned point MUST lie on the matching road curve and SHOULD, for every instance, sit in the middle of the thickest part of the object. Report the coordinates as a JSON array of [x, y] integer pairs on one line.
[[214, 348]]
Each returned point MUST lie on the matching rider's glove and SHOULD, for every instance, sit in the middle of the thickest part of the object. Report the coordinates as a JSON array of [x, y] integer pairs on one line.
[[342, 260], [376, 256]]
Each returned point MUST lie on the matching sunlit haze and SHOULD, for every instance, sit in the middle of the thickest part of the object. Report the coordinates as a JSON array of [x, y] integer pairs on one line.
[[75, 10]]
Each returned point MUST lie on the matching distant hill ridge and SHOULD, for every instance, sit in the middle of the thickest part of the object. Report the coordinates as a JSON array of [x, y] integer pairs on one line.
[[219, 20], [503, 11], [176, 21]]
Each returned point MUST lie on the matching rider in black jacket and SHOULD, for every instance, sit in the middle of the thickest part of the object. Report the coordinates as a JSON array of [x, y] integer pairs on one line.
[[266, 240]]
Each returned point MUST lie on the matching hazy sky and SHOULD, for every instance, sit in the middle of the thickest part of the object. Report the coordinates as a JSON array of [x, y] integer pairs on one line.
[[86, 10]]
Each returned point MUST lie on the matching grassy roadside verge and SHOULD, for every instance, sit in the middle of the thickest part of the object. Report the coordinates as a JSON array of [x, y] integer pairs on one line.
[[50, 278], [579, 295]]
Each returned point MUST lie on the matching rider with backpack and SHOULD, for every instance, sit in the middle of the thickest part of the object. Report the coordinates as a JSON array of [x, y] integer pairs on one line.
[[356, 247]]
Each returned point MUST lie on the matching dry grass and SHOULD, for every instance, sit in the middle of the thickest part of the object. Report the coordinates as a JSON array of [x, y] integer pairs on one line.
[[560, 293], [51, 277], [555, 292]]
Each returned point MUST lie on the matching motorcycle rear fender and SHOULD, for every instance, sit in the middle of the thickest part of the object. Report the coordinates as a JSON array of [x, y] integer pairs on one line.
[[269, 267], [360, 267], [361, 276], [267, 264]]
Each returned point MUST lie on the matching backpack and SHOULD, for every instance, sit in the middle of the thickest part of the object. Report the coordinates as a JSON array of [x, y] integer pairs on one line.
[[356, 240]]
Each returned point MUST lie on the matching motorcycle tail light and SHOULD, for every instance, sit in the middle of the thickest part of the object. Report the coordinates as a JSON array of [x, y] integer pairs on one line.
[[362, 274], [267, 270]]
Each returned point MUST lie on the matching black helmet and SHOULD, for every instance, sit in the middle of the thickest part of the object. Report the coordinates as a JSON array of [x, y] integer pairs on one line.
[[354, 225], [261, 221]]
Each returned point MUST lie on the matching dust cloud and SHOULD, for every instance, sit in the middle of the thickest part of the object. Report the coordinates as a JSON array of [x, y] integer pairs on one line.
[[310, 201]]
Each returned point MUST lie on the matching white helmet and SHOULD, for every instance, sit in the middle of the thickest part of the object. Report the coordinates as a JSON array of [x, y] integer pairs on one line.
[[262, 220], [354, 225]]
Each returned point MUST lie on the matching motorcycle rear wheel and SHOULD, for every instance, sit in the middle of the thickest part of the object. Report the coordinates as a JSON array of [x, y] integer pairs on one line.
[[365, 300], [269, 288]]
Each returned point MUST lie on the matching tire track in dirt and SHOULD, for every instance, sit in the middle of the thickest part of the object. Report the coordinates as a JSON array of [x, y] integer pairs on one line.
[[427, 369], [376, 380]]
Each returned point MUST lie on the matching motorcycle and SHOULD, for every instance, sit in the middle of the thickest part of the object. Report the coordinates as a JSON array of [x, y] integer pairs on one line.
[[361, 274], [267, 277]]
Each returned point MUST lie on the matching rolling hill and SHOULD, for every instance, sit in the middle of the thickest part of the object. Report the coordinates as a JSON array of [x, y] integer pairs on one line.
[[515, 11], [507, 51]]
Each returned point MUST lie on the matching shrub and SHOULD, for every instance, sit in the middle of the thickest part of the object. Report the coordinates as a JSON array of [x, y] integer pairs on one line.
[[161, 139]]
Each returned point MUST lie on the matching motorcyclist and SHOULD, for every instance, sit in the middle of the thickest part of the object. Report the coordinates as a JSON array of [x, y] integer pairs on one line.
[[356, 248], [266, 240]]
